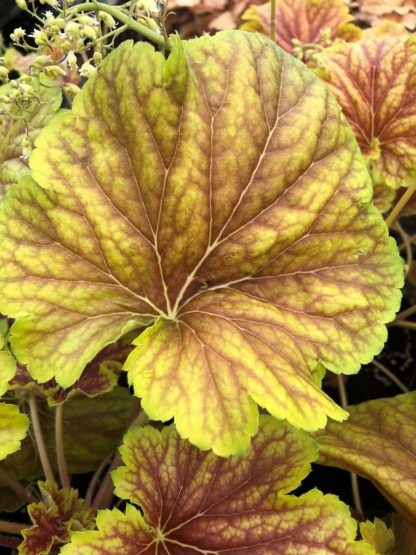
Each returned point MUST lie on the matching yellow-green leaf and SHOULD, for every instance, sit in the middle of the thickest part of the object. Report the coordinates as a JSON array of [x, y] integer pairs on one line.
[[13, 428], [219, 198]]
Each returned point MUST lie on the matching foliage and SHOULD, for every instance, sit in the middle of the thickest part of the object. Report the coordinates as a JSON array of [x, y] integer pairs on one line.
[[13, 428], [196, 502], [381, 110], [378, 442], [53, 519], [302, 23], [248, 235], [198, 225]]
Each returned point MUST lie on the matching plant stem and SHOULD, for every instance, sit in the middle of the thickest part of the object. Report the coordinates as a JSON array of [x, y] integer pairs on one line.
[[405, 313], [10, 541], [391, 376], [401, 203], [404, 324], [124, 18], [354, 478], [407, 245], [273, 20], [15, 485], [59, 445], [104, 495], [40, 443], [12, 527], [94, 480]]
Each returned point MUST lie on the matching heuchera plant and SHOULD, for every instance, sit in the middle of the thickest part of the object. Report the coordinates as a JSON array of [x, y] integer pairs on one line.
[[199, 226]]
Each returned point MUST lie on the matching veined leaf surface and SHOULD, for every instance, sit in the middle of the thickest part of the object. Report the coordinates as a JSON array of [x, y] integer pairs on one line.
[[306, 21], [378, 442], [374, 82], [195, 502], [218, 197]]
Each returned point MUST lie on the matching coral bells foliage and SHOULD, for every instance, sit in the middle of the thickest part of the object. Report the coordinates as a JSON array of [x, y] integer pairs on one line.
[[302, 23], [194, 502], [374, 82], [378, 442], [217, 203]]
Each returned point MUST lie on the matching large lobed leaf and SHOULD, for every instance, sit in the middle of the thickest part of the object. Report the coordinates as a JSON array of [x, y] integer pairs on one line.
[[378, 442], [194, 502], [374, 82], [218, 197]]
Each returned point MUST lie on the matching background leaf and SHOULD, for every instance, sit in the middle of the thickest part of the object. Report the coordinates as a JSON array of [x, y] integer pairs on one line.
[[378, 443], [373, 80]]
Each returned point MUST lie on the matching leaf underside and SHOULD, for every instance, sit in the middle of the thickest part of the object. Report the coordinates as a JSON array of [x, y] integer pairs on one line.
[[219, 199]]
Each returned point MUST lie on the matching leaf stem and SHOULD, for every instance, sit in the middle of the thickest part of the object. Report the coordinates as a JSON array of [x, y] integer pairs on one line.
[[273, 20], [391, 376], [94, 480], [10, 541], [102, 499], [405, 313], [104, 495], [15, 485], [123, 18], [40, 442], [407, 245], [59, 445], [404, 324], [401, 203], [12, 527], [354, 478]]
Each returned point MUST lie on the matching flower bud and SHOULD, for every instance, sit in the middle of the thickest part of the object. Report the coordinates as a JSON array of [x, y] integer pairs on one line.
[[54, 71], [72, 60], [87, 70], [72, 29], [149, 6], [71, 89], [40, 37], [17, 34], [98, 57], [22, 5], [40, 61], [4, 73], [107, 19], [85, 20], [89, 32]]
